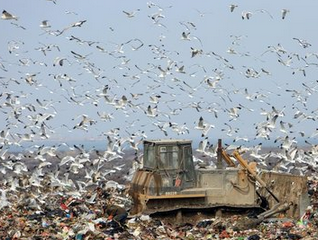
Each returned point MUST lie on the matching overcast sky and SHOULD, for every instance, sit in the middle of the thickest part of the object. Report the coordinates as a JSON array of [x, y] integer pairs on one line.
[[92, 53]]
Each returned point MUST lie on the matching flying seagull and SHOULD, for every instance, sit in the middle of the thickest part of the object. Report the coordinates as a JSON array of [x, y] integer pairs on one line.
[[131, 14], [203, 126], [75, 24], [45, 24], [284, 12], [232, 7], [246, 15], [302, 42], [8, 16]]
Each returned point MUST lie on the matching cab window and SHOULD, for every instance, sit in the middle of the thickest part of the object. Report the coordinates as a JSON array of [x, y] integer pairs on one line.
[[149, 156], [168, 157]]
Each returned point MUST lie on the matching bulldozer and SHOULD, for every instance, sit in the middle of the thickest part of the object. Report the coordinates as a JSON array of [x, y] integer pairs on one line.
[[170, 181]]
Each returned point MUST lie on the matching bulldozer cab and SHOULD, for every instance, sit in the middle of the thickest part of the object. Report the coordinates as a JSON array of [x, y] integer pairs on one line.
[[172, 160]]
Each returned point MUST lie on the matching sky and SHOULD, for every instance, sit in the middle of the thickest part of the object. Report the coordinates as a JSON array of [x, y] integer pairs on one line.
[[98, 67]]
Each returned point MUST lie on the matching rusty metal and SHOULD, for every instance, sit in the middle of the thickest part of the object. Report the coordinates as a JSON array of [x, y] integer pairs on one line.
[[289, 189], [219, 164], [253, 173], [278, 208], [169, 196], [227, 159]]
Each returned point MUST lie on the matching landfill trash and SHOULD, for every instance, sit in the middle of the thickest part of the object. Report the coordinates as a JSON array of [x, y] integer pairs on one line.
[[76, 218]]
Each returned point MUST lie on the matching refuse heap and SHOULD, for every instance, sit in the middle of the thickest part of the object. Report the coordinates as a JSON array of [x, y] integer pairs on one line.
[[62, 216]]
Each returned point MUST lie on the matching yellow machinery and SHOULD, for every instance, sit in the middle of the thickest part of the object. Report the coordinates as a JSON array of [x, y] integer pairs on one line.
[[169, 180]]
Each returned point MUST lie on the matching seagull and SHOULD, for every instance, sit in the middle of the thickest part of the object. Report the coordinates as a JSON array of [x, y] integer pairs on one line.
[[232, 7], [284, 12], [83, 124], [195, 52], [151, 112], [156, 16], [234, 112], [255, 151], [3, 199], [185, 36], [180, 69], [131, 14], [53, 1], [188, 25], [59, 61], [76, 166], [66, 160], [45, 24], [280, 113], [203, 126], [283, 127], [302, 42], [105, 116], [272, 123], [300, 70], [19, 167], [76, 24], [211, 83], [179, 129], [230, 130], [155, 99], [44, 134], [202, 145], [246, 15], [286, 62], [287, 143], [8, 16], [279, 50]]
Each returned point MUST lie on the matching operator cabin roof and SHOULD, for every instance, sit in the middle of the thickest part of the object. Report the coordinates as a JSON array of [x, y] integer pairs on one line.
[[168, 141]]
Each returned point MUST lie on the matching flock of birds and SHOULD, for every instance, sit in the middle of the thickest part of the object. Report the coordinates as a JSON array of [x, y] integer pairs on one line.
[[145, 89]]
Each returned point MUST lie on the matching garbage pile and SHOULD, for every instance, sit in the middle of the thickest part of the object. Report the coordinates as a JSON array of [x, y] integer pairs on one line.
[[62, 216]]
